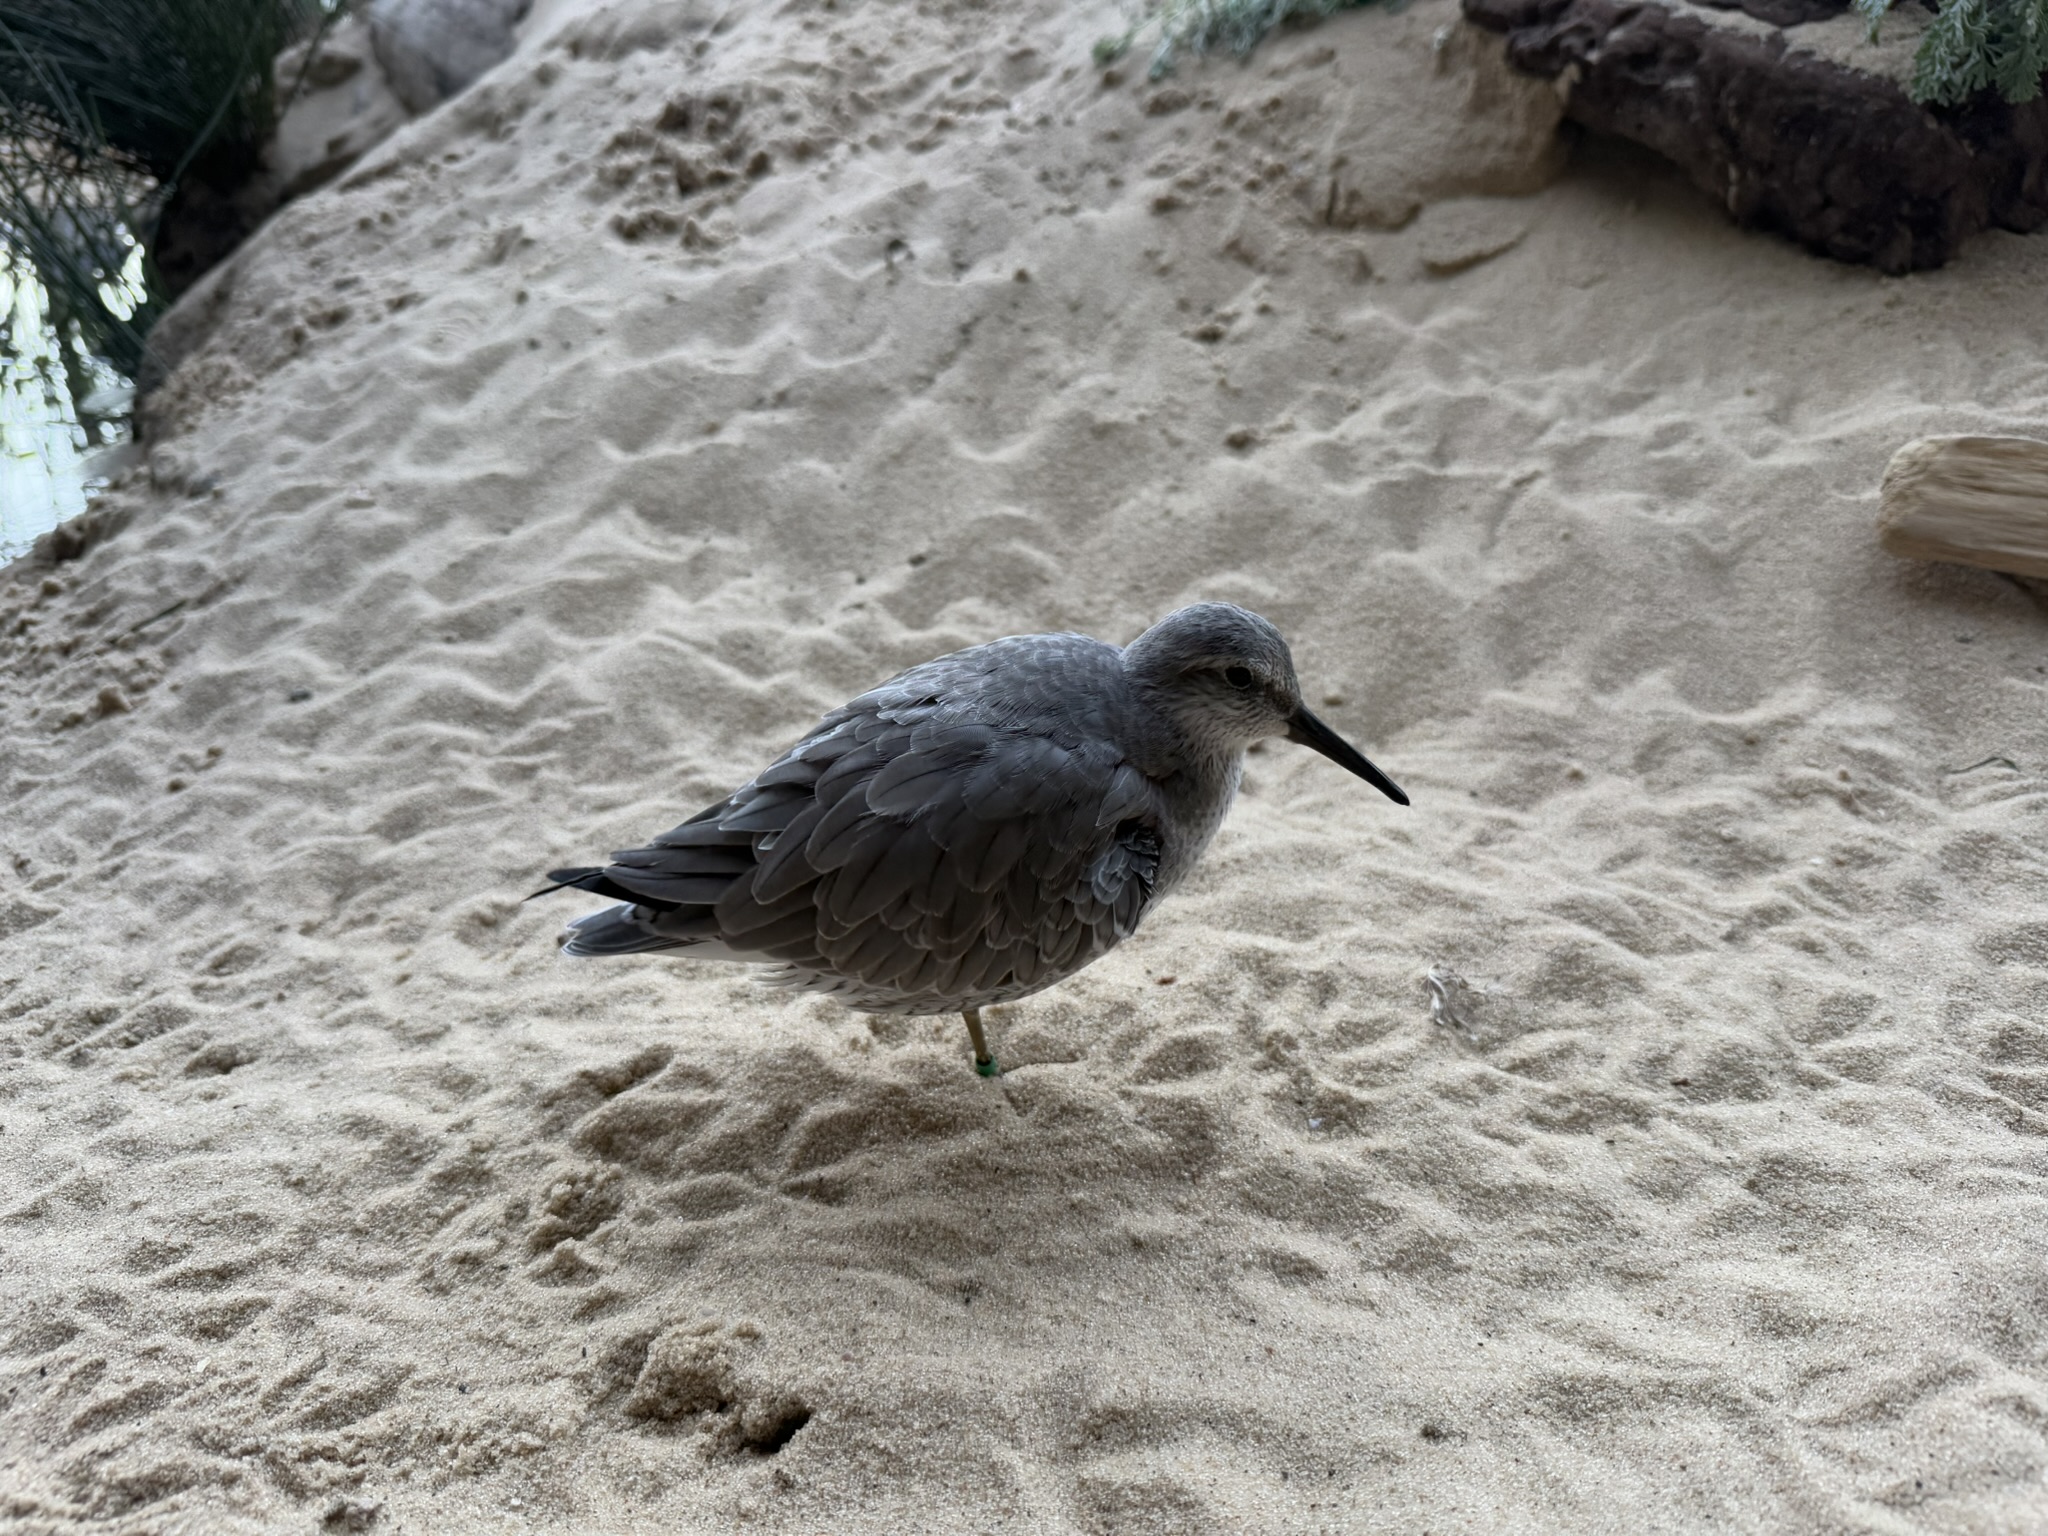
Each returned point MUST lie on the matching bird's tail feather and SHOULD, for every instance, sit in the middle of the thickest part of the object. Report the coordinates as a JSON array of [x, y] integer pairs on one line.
[[622, 930], [594, 881], [639, 925]]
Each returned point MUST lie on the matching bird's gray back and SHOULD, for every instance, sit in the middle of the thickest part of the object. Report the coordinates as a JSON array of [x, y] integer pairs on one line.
[[974, 829], [1069, 689]]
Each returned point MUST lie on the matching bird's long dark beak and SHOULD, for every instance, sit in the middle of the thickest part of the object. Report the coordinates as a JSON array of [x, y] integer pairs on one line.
[[1306, 729]]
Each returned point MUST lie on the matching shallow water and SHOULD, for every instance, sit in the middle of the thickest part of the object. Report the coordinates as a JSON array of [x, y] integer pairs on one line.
[[42, 448]]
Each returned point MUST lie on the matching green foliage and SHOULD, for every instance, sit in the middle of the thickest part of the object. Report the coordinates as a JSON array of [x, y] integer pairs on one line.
[[69, 212], [1973, 46], [157, 81], [1872, 12], [104, 106], [1209, 26]]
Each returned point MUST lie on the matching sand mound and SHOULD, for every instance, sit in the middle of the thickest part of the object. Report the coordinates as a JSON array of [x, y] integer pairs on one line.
[[530, 486]]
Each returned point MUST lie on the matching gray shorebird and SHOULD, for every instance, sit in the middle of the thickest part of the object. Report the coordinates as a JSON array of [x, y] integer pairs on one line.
[[976, 828]]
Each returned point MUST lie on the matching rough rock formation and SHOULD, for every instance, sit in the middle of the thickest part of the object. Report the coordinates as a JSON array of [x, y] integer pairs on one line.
[[342, 94], [1836, 157], [336, 104], [435, 49], [339, 105], [1784, 13]]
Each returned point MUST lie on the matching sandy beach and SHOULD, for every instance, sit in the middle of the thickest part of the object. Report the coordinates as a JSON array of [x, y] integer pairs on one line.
[[531, 487]]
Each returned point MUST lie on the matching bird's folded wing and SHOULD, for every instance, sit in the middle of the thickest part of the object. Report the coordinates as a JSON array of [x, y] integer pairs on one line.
[[913, 852]]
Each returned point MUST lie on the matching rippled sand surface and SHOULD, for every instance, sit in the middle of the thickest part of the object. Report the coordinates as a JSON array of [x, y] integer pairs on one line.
[[699, 369]]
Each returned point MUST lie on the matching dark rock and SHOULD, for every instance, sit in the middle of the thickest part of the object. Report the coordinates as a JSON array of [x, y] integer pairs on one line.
[[73, 537], [1836, 158], [335, 104], [1783, 13], [351, 1514], [217, 204]]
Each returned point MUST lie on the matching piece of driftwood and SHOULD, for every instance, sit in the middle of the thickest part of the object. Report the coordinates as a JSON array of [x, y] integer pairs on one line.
[[1785, 139], [1972, 500]]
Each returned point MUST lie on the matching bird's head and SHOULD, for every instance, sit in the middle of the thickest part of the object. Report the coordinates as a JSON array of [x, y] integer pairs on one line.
[[1227, 679]]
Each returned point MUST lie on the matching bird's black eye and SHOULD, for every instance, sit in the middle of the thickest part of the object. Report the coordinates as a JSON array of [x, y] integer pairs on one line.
[[1238, 677]]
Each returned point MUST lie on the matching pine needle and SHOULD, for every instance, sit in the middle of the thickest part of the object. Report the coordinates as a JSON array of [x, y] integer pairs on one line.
[[104, 106]]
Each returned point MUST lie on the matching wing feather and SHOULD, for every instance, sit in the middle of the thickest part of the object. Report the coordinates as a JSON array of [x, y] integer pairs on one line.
[[1130, 795], [699, 833], [997, 855], [838, 832], [769, 810], [690, 859], [793, 768], [855, 766], [1017, 780], [671, 890], [741, 910], [888, 862], [915, 784], [785, 865]]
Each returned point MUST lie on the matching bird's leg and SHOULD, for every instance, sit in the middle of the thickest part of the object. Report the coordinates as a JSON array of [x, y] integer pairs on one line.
[[984, 1062]]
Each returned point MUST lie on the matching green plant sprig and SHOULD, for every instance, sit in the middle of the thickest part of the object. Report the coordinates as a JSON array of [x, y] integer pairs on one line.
[[1974, 46], [1201, 27]]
